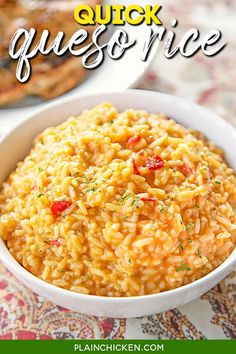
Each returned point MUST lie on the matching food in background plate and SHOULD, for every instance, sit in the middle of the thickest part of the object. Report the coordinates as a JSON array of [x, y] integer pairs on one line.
[[120, 204], [51, 75]]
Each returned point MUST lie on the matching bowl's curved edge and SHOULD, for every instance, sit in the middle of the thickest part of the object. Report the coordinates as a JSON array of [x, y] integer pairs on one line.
[[120, 305]]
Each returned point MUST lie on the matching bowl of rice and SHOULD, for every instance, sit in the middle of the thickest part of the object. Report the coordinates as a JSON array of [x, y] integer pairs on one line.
[[119, 204]]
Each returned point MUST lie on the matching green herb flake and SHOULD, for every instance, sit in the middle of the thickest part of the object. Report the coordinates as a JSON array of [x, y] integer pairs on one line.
[[40, 169], [162, 210], [217, 182], [40, 195], [125, 197], [197, 206], [91, 190], [130, 261], [189, 226], [181, 247], [199, 253], [183, 267], [135, 201]]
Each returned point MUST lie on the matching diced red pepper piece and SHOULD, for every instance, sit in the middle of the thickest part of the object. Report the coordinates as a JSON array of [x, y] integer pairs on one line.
[[56, 243], [136, 170], [148, 199], [133, 140], [59, 207], [155, 163]]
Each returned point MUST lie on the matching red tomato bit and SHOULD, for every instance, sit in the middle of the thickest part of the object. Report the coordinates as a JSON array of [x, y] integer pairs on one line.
[[56, 243], [155, 163], [148, 199], [59, 207], [136, 170], [133, 140]]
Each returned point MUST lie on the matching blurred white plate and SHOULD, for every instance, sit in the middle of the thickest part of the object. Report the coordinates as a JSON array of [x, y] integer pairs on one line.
[[112, 75]]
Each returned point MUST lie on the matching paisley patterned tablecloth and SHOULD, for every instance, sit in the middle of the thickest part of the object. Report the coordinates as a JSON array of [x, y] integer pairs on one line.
[[210, 82]]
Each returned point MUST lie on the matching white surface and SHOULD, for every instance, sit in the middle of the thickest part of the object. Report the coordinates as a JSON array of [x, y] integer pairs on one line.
[[16, 145], [112, 75]]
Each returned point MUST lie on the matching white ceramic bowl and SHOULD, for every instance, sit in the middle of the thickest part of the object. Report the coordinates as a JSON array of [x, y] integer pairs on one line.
[[16, 145]]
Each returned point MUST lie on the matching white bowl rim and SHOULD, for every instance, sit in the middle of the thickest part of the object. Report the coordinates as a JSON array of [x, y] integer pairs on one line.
[[129, 92], [17, 268]]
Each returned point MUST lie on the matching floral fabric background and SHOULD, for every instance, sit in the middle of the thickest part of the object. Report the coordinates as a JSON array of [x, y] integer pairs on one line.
[[210, 82]]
